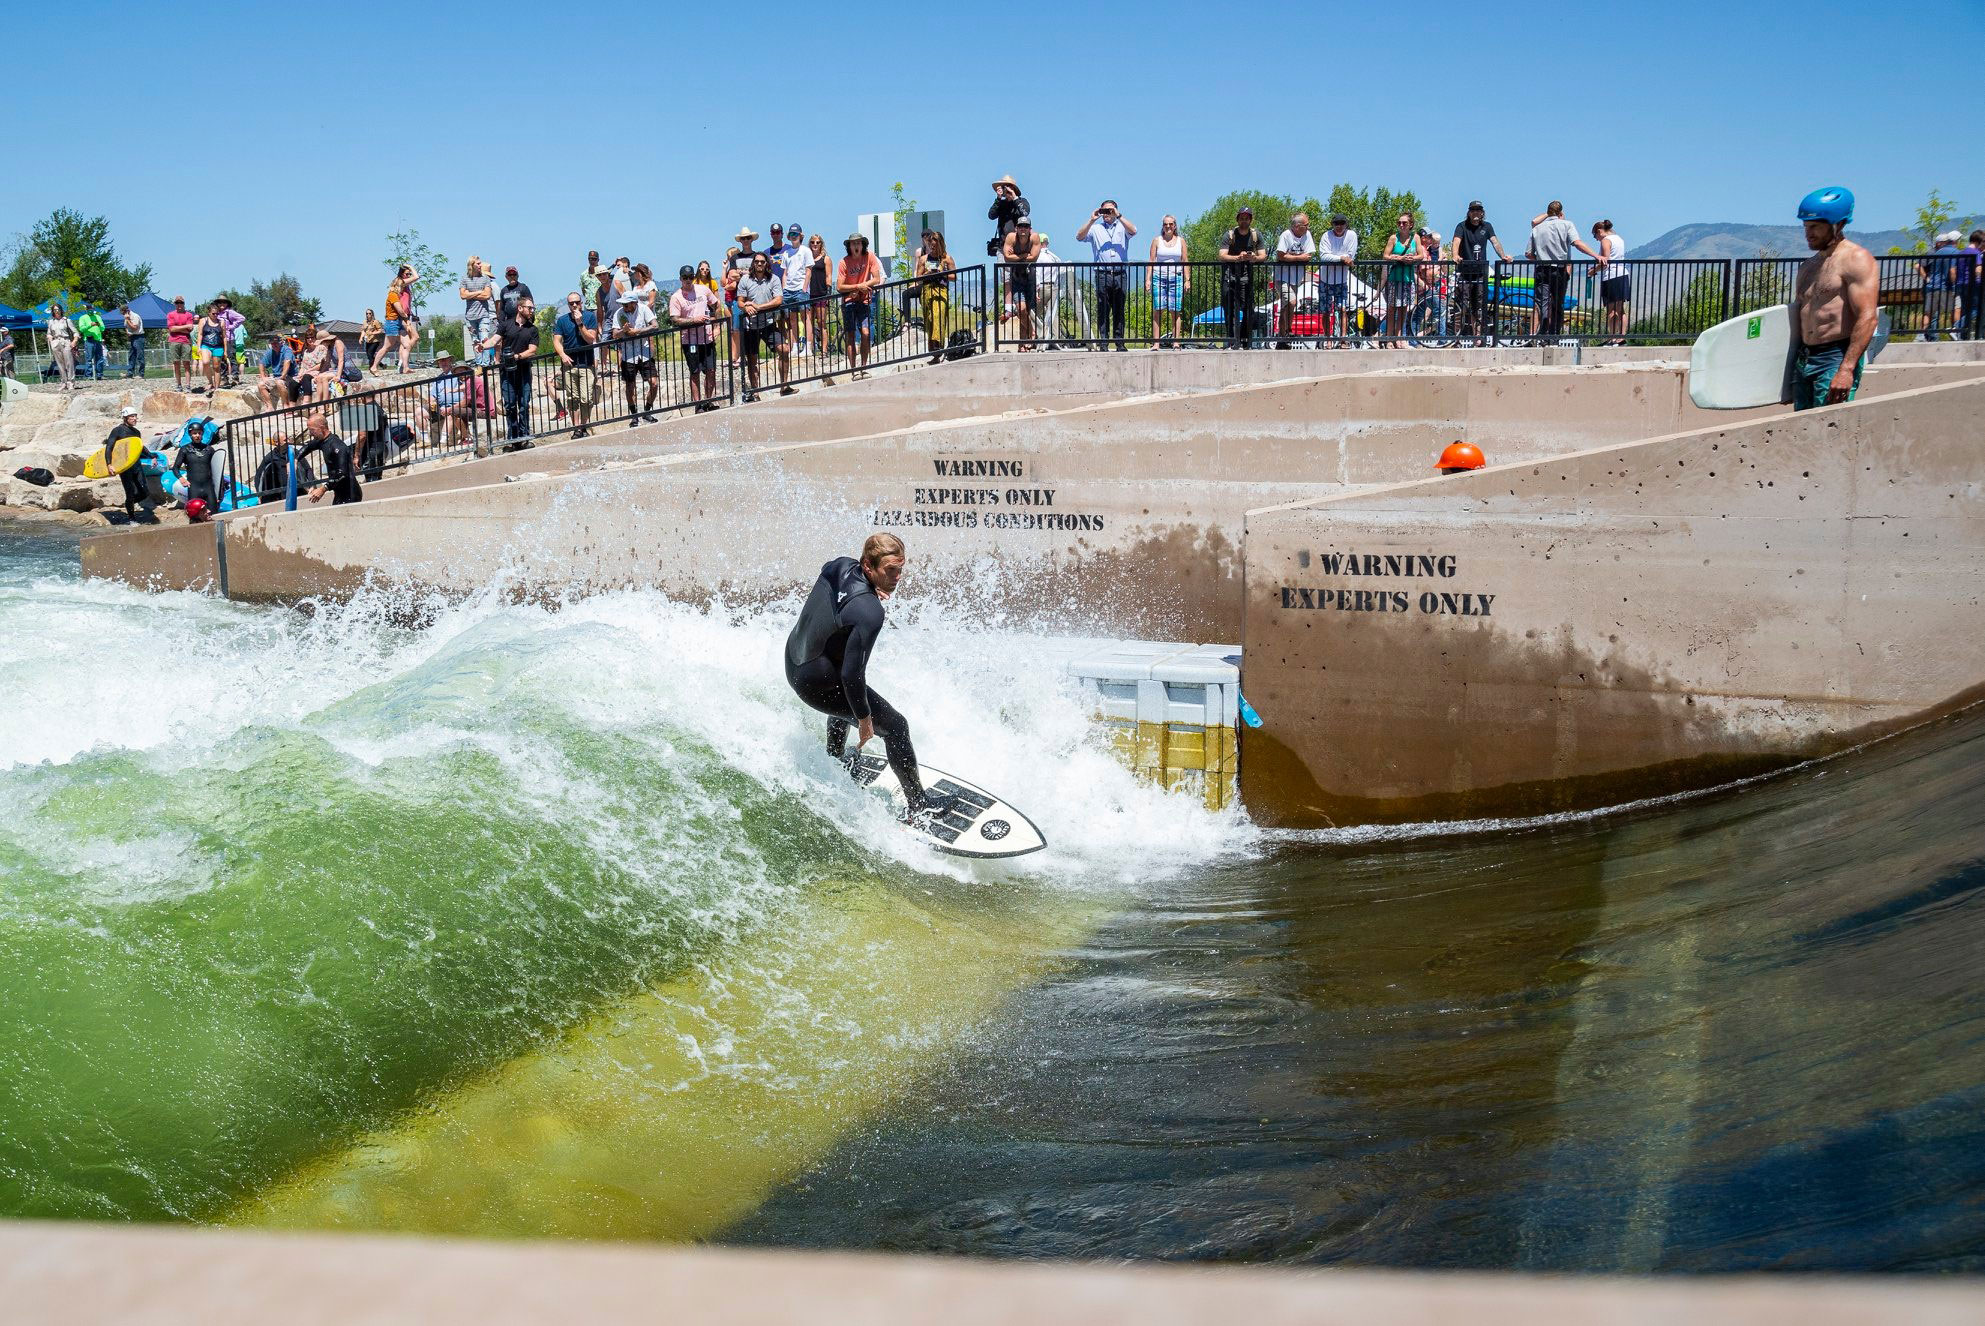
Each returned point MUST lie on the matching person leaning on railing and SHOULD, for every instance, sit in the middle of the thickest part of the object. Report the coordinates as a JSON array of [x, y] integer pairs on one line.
[[933, 261], [455, 399], [693, 309], [516, 344], [572, 336], [1240, 251]]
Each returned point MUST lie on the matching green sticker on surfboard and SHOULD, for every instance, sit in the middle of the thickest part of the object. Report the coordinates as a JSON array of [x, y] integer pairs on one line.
[[1754, 330]]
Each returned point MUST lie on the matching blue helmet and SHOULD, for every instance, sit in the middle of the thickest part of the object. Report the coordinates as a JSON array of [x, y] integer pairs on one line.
[[1832, 203]]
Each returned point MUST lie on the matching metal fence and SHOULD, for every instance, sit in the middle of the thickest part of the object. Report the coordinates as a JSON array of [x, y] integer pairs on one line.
[[628, 378], [1638, 301]]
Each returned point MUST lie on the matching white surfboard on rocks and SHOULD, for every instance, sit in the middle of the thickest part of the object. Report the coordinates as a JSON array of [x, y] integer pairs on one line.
[[1746, 361], [979, 825]]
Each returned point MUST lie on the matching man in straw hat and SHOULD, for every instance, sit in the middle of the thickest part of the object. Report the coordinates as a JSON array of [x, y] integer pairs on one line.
[[1007, 211]]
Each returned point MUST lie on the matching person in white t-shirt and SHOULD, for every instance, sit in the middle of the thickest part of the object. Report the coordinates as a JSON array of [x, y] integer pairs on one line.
[[1292, 262], [1336, 250], [795, 262]]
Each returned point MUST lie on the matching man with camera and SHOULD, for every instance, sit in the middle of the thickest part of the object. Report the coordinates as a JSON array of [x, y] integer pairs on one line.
[[1008, 210], [516, 344], [1109, 236]]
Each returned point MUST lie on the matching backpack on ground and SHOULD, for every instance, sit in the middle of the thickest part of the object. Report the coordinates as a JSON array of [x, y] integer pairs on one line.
[[960, 344], [35, 475]]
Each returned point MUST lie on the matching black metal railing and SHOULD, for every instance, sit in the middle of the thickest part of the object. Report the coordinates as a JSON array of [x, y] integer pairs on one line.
[[904, 321], [629, 377], [388, 428], [1382, 302]]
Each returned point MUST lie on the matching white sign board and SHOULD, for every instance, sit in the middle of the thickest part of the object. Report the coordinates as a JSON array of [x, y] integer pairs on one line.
[[880, 227]]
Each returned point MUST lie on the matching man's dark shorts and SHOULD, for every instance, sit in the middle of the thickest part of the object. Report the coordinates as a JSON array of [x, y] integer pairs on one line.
[[631, 369], [1813, 370], [1022, 282], [700, 358], [770, 337], [854, 318]]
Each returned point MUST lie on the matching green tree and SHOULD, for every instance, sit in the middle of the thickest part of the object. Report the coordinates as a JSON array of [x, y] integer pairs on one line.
[[906, 255], [1272, 211], [69, 253], [275, 304], [405, 247], [1373, 212], [1936, 215]]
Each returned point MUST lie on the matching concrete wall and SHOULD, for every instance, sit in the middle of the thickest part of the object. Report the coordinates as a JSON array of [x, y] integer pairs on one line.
[[1123, 518], [159, 558], [1628, 621], [161, 1276]]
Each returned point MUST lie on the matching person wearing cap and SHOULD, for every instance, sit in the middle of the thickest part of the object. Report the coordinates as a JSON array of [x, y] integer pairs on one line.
[[454, 400], [179, 342], [572, 337], [1020, 253], [1834, 301], [1969, 282], [1939, 292], [1473, 238], [516, 344], [758, 299], [694, 310], [275, 370], [478, 292], [1240, 252], [794, 262], [512, 292], [859, 278], [633, 330], [133, 476]]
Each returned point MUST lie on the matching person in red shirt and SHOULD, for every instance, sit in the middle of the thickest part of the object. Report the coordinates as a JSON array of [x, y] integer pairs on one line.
[[860, 277], [179, 340]]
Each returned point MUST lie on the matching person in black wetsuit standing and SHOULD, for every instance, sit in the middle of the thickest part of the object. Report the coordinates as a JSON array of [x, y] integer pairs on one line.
[[827, 662]]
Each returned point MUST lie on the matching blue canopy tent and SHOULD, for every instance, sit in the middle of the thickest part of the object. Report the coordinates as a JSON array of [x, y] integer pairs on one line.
[[15, 317]]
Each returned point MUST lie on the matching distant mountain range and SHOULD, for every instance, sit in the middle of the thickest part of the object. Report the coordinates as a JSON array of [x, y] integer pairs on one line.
[[1732, 239]]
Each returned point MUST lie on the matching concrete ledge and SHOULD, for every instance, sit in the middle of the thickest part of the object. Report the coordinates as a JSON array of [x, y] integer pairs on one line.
[[1618, 623], [85, 1274]]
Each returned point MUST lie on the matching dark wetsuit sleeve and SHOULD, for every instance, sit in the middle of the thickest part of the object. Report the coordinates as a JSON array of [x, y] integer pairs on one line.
[[863, 617]]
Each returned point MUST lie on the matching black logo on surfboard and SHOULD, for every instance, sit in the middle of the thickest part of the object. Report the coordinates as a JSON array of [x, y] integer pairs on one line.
[[995, 829]]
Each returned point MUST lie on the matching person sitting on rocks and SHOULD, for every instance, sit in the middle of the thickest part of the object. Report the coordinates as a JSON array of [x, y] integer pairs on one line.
[[275, 373]]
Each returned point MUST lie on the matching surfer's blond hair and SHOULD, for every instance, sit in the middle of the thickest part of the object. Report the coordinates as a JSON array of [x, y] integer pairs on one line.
[[878, 546]]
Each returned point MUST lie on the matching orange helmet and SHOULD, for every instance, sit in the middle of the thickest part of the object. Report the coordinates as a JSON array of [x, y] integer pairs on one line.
[[1461, 456]]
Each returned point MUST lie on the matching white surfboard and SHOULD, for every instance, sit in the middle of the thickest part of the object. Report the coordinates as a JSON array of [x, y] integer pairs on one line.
[[981, 825], [1746, 361]]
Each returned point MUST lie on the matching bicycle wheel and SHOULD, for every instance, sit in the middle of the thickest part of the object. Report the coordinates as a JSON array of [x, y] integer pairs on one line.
[[1427, 325]]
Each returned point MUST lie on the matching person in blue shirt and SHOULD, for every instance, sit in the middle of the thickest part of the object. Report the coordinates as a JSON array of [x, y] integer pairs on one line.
[[573, 336], [1109, 237], [276, 373]]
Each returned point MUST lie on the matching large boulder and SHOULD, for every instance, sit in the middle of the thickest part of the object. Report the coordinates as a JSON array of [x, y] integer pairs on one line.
[[96, 405], [166, 407], [89, 495], [17, 435], [73, 440], [232, 404], [61, 465], [34, 409]]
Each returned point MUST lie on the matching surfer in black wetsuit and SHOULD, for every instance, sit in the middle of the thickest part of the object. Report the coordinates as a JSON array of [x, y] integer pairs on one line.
[[340, 478], [827, 662]]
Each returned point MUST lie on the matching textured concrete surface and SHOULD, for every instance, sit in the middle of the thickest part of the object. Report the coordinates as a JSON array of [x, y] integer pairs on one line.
[[85, 1274], [1622, 622], [1120, 518]]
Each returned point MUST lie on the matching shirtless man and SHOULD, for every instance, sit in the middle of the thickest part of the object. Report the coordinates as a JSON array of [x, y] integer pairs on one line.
[[1833, 304]]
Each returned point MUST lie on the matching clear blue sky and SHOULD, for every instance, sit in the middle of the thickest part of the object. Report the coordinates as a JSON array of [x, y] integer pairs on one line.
[[530, 132]]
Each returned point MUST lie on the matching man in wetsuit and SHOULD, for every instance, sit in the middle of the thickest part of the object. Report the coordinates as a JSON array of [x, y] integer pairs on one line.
[[827, 661], [1833, 304], [340, 478]]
